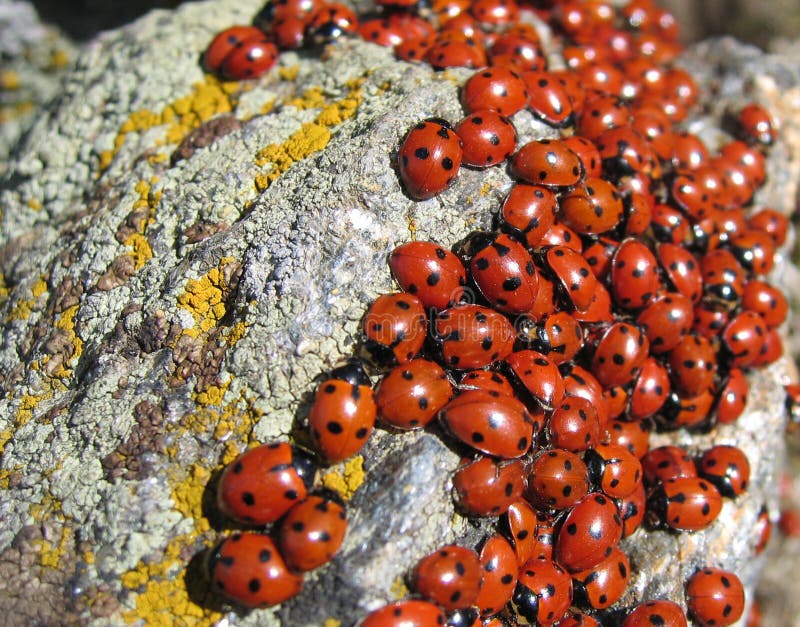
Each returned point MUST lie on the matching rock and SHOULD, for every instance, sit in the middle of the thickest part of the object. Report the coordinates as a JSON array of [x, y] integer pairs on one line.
[[165, 307]]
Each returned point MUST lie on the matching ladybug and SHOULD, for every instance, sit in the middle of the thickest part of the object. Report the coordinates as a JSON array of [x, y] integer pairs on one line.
[[413, 49], [487, 137], [312, 531], [604, 584], [756, 125], [343, 414], [634, 275], [762, 530], [574, 425], [520, 523], [429, 158], [614, 469], [599, 310], [544, 304], [715, 597], [226, 42], [632, 509], [588, 154], [520, 52], [486, 380], [504, 272], [548, 99], [709, 322], [382, 32], [732, 397], [495, 12], [411, 395], [262, 484], [771, 351], [601, 113], [486, 486], [528, 212], [248, 569], [573, 274], [498, 88], [682, 270], [658, 612], [561, 235], [723, 280], [455, 53], [616, 400], [288, 31], [250, 58], [666, 320], [580, 382], [593, 207], [650, 390], [430, 272], [472, 336], [395, 328], [755, 250], [727, 468], [749, 158], [693, 363], [688, 151], [559, 336], [499, 426], [539, 375], [666, 463], [634, 436], [411, 613], [558, 479], [690, 412], [686, 504], [743, 339], [766, 300], [543, 593], [331, 21], [669, 224], [772, 223], [450, 577], [499, 575], [589, 533], [547, 162], [619, 354]]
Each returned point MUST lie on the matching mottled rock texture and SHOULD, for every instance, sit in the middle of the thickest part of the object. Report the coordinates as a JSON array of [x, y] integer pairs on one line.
[[182, 259]]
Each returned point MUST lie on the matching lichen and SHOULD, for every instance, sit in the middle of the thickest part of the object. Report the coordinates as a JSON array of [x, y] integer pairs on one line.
[[347, 479]]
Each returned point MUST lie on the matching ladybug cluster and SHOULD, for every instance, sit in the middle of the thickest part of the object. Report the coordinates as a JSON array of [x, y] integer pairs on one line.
[[621, 290]]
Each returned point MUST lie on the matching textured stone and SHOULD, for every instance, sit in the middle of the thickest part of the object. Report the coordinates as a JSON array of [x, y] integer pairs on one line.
[[160, 314]]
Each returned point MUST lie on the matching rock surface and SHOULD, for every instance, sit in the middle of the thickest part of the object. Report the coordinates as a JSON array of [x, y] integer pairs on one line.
[[171, 289]]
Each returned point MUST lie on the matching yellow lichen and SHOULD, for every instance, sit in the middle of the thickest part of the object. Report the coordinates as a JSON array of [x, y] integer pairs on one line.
[[207, 99], [288, 73], [203, 298], [59, 59], [66, 322], [34, 204], [4, 291], [399, 589], [9, 80], [51, 555], [347, 480], [312, 98], [331, 622], [142, 252]]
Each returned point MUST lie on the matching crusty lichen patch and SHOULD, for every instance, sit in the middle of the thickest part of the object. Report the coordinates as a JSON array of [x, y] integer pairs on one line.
[[345, 480], [205, 299]]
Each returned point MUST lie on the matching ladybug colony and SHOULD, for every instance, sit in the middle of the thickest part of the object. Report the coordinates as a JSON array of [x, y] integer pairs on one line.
[[621, 290]]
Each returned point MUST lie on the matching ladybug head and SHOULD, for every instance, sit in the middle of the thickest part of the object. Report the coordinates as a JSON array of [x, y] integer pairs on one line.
[[352, 372]]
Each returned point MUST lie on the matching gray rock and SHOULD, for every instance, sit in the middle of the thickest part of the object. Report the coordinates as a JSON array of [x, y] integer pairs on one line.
[[162, 312]]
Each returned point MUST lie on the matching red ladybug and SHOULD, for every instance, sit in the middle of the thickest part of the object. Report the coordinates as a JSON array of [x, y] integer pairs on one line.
[[632, 509], [486, 486], [686, 504], [666, 463], [450, 577], [429, 158], [498, 426], [634, 275], [682, 270], [538, 375], [727, 468], [414, 49], [693, 363], [543, 593], [743, 339], [614, 469], [772, 223], [412, 613], [248, 569], [723, 279], [732, 397], [766, 300], [548, 99], [517, 51], [499, 575], [604, 584], [430, 272], [577, 619], [445, 53], [411, 395], [528, 212], [658, 612], [498, 88], [601, 113], [395, 328], [619, 354], [486, 380], [755, 250], [250, 59], [573, 274], [574, 424], [756, 125], [715, 597], [262, 484], [666, 320], [762, 530], [488, 138], [580, 382], [312, 532], [558, 479], [681, 410], [589, 533], [521, 522], [650, 391], [559, 336], [343, 414], [598, 255], [593, 207], [473, 336], [226, 42], [504, 272], [634, 436], [547, 162], [330, 21], [587, 152]]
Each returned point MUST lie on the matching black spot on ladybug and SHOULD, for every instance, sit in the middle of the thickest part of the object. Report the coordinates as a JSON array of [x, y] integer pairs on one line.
[[264, 555], [422, 153], [433, 278], [362, 433], [477, 437], [334, 427], [237, 468], [481, 263], [254, 585], [248, 499], [330, 388], [572, 529]]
